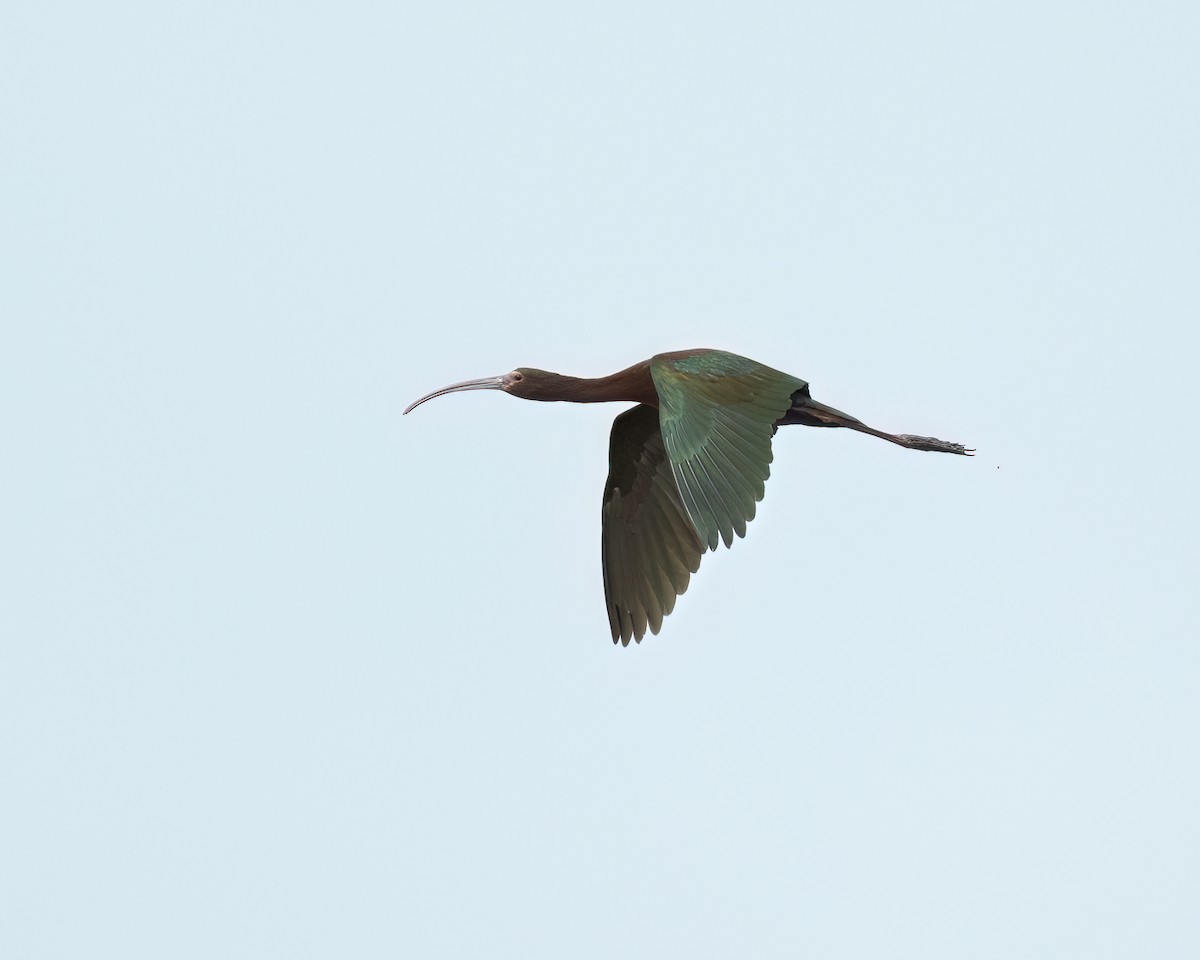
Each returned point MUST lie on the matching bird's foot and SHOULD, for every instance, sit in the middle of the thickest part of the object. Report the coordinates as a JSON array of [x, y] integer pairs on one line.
[[934, 444]]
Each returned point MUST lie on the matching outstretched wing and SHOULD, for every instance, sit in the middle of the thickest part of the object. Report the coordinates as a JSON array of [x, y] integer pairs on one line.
[[717, 413], [649, 547]]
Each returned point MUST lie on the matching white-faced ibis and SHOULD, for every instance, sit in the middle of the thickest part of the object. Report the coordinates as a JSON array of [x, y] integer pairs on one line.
[[686, 465]]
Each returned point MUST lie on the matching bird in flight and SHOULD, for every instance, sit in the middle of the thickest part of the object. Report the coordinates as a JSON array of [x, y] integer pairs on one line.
[[686, 465]]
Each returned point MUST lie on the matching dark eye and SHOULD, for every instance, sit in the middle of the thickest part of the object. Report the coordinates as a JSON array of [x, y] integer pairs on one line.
[[518, 377]]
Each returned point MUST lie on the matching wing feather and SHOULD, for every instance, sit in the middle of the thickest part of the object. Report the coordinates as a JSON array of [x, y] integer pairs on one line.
[[649, 547], [684, 478], [717, 413]]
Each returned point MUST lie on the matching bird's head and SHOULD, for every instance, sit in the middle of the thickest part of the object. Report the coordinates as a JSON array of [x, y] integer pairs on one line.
[[527, 382]]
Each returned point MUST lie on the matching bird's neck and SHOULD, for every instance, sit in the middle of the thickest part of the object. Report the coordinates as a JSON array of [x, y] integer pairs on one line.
[[633, 384]]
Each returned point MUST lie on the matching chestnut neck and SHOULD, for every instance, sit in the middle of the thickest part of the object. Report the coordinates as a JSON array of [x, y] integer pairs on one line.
[[633, 384]]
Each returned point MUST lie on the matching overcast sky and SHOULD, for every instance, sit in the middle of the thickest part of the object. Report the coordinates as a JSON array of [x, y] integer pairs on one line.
[[285, 674]]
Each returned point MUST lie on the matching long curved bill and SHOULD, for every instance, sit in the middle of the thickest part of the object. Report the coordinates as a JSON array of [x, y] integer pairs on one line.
[[483, 383]]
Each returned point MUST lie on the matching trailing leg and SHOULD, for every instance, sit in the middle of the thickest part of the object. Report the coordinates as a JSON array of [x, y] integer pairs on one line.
[[811, 413]]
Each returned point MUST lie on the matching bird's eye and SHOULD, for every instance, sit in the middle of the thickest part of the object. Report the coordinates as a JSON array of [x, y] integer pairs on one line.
[[518, 377]]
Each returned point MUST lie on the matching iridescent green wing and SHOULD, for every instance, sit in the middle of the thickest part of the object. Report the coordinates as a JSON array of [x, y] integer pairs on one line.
[[649, 547], [717, 412]]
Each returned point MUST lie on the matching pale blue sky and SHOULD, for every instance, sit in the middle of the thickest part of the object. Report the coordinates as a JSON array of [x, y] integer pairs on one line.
[[287, 675]]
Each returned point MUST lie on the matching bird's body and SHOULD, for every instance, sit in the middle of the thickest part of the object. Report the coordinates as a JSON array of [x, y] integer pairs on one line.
[[686, 465]]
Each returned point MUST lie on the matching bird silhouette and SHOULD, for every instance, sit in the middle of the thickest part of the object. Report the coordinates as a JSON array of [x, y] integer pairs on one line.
[[686, 465]]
